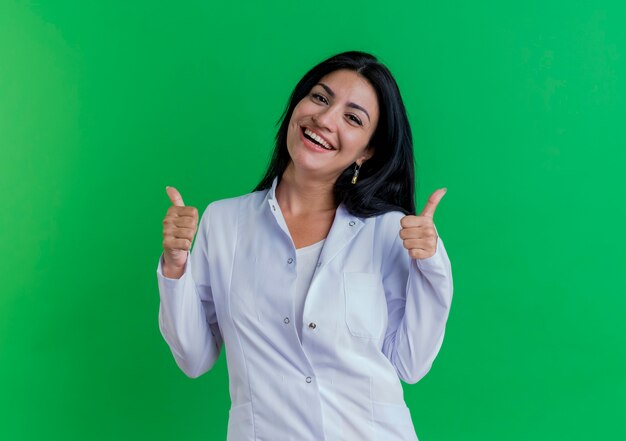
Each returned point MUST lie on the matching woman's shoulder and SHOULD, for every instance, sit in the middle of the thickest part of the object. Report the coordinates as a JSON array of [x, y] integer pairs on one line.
[[385, 228], [389, 220], [232, 205]]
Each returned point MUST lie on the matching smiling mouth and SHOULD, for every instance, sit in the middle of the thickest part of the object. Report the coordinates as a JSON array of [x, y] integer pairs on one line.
[[308, 134]]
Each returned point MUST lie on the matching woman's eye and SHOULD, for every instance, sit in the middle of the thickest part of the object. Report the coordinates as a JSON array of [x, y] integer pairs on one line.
[[319, 97], [355, 119]]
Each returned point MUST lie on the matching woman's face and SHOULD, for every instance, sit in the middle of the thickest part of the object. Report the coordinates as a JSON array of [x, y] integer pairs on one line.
[[330, 127]]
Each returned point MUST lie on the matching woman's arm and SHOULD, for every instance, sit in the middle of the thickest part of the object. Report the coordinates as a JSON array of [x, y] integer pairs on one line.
[[418, 294], [187, 317]]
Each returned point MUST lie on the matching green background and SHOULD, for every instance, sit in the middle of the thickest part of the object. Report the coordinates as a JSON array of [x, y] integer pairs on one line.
[[518, 108]]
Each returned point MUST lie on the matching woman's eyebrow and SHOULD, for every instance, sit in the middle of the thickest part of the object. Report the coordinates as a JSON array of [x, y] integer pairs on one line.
[[350, 104]]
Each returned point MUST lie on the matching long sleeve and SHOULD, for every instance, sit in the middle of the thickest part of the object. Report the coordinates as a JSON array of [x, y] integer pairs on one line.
[[419, 295], [187, 317]]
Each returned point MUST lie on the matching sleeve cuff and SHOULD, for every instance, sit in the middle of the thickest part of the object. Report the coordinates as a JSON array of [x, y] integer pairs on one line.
[[168, 282]]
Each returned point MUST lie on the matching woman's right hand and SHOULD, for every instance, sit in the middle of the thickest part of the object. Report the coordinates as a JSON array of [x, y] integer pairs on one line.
[[179, 229]]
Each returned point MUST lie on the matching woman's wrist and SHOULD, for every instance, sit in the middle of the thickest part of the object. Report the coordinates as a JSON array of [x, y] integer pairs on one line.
[[172, 271]]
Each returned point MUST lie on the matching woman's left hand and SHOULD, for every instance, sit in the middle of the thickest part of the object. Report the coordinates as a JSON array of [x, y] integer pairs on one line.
[[418, 232]]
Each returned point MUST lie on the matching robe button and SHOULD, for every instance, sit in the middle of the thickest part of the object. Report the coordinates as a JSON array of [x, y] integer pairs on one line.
[[286, 320], [290, 261], [308, 379], [352, 223], [312, 325]]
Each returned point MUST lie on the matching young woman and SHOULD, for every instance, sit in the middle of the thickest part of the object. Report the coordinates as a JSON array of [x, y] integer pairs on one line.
[[323, 285]]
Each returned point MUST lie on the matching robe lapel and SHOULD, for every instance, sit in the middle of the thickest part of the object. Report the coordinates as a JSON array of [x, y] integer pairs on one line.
[[344, 228]]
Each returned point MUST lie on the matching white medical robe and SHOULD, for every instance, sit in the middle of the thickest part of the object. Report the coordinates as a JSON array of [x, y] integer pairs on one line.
[[372, 317]]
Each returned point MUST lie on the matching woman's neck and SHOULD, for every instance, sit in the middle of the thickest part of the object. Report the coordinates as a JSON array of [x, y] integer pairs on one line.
[[300, 195]]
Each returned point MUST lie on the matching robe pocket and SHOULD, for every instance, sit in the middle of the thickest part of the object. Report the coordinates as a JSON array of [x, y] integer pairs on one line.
[[393, 421], [240, 426], [366, 309]]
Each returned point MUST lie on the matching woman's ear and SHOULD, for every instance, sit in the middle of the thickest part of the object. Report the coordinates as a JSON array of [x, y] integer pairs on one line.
[[367, 154]]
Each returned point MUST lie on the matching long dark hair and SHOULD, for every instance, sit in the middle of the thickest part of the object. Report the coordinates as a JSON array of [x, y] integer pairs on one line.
[[387, 180]]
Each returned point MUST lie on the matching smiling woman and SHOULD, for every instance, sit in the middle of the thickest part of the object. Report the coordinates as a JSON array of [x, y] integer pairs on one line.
[[324, 285]]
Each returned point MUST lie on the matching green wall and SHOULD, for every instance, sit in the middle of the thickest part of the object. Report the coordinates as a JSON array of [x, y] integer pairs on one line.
[[519, 109]]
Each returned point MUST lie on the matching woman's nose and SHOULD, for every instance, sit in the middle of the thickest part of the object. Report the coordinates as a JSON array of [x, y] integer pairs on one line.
[[326, 119]]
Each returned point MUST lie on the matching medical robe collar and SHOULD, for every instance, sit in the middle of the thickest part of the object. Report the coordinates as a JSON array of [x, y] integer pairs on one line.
[[344, 228]]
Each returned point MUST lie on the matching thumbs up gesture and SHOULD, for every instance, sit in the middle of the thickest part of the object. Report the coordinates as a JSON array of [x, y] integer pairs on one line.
[[179, 229], [418, 232]]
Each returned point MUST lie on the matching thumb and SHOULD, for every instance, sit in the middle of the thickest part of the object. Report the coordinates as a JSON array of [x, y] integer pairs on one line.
[[433, 201], [175, 197]]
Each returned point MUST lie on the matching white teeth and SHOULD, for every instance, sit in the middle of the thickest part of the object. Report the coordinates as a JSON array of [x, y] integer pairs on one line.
[[318, 139]]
